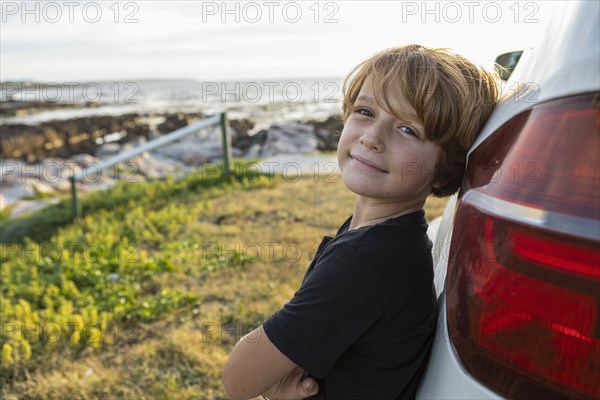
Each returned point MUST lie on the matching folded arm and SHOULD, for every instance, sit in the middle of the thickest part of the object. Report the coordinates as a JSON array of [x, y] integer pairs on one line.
[[256, 367]]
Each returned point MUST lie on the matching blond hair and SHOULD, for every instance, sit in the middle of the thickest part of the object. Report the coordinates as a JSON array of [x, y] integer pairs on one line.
[[452, 97]]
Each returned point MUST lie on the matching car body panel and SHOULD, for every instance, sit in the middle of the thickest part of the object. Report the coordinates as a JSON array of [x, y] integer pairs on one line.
[[447, 379], [564, 62]]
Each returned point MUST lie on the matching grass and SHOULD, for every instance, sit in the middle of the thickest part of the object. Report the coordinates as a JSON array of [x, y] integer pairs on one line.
[[158, 283]]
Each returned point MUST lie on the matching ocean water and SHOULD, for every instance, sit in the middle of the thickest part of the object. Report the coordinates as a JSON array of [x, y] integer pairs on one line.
[[281, 100]]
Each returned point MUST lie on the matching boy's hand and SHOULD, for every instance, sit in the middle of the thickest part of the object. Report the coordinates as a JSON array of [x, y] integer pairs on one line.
[[295, 386]]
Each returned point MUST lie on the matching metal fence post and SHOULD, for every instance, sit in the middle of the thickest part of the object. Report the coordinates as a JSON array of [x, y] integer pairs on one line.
[[74, 205], [226, 136]]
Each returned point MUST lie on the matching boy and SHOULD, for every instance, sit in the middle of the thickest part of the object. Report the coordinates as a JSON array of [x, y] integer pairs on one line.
[[362, 322]]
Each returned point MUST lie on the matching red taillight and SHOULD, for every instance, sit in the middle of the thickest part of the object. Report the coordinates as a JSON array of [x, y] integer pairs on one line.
[[546, 158], [523, 287], [567, 256]]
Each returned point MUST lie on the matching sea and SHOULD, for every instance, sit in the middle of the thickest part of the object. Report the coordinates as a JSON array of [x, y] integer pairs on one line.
[[278, 100]]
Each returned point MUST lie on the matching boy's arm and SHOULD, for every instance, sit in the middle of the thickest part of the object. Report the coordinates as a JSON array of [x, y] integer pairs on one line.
[[257, 367]]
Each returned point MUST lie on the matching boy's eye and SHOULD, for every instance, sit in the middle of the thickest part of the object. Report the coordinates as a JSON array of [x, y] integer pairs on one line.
[[364, 111], [408, 130]]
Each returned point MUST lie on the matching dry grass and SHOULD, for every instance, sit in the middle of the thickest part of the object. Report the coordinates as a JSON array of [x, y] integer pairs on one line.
[[181, 356]]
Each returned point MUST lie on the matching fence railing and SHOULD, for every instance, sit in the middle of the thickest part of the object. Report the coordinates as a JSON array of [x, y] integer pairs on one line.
[[155, 143]]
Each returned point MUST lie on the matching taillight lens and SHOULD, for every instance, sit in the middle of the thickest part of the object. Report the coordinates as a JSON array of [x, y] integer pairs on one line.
[[523, 286]]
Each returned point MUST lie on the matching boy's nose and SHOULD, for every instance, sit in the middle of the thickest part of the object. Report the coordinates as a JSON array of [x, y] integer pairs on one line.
[[371, 139]]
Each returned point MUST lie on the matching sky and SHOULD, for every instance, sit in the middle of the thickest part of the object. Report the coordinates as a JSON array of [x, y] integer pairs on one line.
[[66, 41]]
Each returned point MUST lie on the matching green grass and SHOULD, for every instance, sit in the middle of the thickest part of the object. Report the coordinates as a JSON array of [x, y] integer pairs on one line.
[[145, 296]]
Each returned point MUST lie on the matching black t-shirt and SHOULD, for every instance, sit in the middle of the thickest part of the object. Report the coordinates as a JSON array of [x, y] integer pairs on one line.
[[363, 319]]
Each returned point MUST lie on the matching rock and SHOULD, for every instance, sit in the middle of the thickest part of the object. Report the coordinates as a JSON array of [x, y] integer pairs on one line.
[[136, 132], [93, 177], [20, 207], [240, 128], [328, 132], [194, 158], [11, 168], [83, 160], [53, 172], [63, 138], [253, 151], [289, 139], [174, 151], [22, 142], [108, 150], [149, 167], [15, 190], [175, 121], [242, 140], [172, 123], [204, 146], [61, 185], [140, 141], [41, 187], [237, 153]]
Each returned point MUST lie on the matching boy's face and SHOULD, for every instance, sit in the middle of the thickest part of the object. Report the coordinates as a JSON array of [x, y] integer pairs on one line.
[[384, 157]]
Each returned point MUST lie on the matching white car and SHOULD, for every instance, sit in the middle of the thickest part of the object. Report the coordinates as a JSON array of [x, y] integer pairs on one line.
[[517, 251]]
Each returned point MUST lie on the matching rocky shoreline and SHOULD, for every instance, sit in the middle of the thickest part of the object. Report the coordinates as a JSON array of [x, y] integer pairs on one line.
[[36, 161]]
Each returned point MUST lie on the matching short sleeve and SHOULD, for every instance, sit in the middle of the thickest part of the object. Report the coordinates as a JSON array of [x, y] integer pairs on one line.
[[338, 302]]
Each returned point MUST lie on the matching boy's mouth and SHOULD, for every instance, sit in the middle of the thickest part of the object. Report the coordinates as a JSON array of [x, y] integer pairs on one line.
[[366, 164]]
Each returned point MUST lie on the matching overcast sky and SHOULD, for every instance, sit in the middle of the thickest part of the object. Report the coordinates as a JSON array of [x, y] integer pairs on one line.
[[107, 40]]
